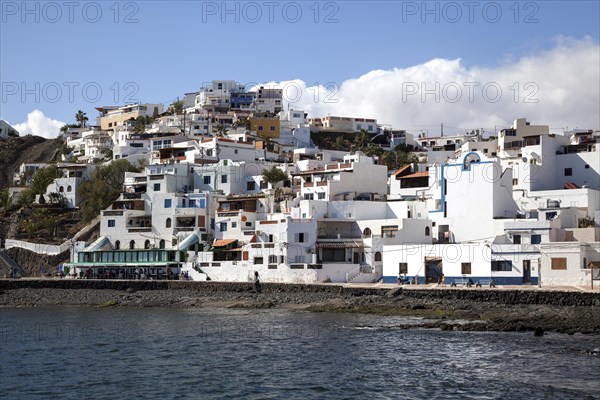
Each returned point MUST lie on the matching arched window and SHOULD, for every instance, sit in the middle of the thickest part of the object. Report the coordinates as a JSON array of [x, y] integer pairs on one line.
[[132, 244], [117, 245], [61, 189], [427, 231], [161, 244], [378, 256], [147, 244], [168, 224], [69, 188], [367, 232]]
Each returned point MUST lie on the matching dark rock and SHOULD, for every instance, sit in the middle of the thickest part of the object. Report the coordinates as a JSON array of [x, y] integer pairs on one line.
[[538, 331]]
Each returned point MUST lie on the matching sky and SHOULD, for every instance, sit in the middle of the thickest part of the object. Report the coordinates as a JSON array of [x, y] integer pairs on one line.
[[411, 65]]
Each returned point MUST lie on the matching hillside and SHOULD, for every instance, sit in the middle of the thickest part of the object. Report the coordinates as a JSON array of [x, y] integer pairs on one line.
[[31, 149]]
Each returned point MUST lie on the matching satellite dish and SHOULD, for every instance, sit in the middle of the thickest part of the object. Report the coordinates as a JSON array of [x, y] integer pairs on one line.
[[525, 159]]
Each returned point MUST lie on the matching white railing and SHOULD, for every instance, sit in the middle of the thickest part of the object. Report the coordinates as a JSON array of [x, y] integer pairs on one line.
[[353, 274]]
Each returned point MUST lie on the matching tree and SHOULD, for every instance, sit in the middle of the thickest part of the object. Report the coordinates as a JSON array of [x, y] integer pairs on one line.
[[103, 188], [81, 118], [273, 176], [43, 177], [341, 144], [26, 197], [29, 226], [57, 199], [362, 139], [176, 107], [4, 199]]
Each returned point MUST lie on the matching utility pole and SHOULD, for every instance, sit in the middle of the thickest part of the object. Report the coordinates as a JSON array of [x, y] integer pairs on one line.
[[442, 129]]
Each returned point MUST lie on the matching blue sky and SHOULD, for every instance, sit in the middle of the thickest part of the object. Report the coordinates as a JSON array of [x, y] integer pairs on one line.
[[154, 51]]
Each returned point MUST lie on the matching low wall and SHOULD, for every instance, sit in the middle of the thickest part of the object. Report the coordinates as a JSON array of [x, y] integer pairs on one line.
[[547, 297], [39, 248]]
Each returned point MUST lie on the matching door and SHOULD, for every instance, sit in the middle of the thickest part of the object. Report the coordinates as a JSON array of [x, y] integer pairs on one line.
[[526, 271], [433, 270], [356, 259]]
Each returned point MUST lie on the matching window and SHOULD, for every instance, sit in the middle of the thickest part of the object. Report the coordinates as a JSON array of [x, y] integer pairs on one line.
[[264, 185], [272, 259], [403, 268], [300, 238], [272, 128], [258, 260], [501, 265], [515, 181], [161, 244], [248, 223], [223, 178], [234, 224], [132, 244], [250, 185], [465, 268], [117, 245], [427, 231], [147, 244], [167, 203], [168, 223], [568, 171], [587, 166], [223, 226], [536, 239], [69, 188], [111, 223], [321, 195], [206, 180], [61, 189], [202, 203], [192, 203], [378, 256], [156, 187], [260, 128], [517, 239], [309, 196], [559, 263]]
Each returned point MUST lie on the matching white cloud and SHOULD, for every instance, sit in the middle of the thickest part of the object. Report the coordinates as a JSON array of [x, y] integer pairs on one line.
[[559, 87], [39, 125]]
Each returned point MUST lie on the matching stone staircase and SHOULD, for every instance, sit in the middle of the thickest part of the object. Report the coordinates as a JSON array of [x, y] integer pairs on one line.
[[10, 263]]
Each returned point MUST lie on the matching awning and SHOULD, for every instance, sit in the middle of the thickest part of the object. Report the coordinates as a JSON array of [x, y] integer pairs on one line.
[[188, 241], [97, 244], [354, 244], [223, 242], [420, 174]]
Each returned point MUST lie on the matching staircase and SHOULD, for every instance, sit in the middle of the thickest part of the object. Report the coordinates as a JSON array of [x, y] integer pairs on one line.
[[363, 274], [10, 263], [193, 274]]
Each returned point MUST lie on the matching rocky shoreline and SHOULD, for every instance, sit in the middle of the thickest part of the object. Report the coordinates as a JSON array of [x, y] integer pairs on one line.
[[447, 308]]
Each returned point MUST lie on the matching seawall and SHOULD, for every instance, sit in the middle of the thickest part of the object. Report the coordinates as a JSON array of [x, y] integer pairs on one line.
[[498, 296]]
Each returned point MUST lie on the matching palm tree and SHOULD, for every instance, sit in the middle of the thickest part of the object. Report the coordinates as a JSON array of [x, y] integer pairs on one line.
[[29, 226], [362, 139], [82, 118], [273, 176]]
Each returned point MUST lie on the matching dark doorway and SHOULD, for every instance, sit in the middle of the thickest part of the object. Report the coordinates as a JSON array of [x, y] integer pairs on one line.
[[433, 270], [526, 271]]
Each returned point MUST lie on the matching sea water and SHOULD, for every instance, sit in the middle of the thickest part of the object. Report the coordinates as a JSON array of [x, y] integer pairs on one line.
[[218, 353]]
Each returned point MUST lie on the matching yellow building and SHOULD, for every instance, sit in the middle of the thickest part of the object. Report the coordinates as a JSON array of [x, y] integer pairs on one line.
[[115, 117], [268, 127]]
